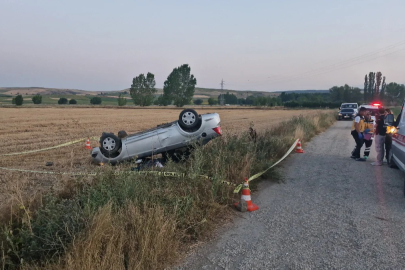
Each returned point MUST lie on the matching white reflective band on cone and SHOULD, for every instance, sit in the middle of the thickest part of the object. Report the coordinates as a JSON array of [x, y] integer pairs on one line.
[[246, 197]]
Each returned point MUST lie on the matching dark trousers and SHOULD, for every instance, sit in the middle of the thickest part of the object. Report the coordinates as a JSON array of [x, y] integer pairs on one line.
[[367, 144], [388, 143], [359, 144]]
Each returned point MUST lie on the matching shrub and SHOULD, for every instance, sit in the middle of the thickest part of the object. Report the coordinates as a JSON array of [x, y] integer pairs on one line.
[[19, 100], [198, 101], [95, 100], [63, 100], [122, 101], [37, 99], [212, 101], [72, 101]]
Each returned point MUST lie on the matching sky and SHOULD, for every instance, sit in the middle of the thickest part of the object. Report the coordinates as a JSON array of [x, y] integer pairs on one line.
[[252, 45]]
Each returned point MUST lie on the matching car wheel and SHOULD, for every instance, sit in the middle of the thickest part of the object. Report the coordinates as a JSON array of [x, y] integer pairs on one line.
[[189, 120], [109, 145], [390, 161]]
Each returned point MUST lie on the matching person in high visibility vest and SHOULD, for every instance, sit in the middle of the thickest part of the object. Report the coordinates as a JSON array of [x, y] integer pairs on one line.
[[368, 133], [357, 133]]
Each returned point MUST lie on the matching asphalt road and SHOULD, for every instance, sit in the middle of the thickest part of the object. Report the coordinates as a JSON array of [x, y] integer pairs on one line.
[[331, 213]]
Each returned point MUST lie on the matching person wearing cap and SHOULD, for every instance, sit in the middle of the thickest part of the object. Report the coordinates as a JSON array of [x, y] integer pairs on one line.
[[380, 132], [357, 133]]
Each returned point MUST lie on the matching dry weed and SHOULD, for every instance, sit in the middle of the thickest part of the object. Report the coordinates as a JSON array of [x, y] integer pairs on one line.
[[131, 238]]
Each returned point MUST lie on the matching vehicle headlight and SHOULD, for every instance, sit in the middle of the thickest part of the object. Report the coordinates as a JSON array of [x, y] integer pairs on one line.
[[340, 114]]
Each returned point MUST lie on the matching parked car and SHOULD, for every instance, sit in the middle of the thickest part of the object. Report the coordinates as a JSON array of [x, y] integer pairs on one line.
[[396, 157], [171, 139], [353, 106], [397, 154], [346, 114]]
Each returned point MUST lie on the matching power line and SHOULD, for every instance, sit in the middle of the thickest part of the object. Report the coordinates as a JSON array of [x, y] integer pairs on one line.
[[347, 61], [339, 64]]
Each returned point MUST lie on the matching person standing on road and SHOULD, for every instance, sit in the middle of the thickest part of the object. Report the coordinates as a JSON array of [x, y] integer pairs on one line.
[[357, 134], [380, 132], [388, 140], [368, 136]]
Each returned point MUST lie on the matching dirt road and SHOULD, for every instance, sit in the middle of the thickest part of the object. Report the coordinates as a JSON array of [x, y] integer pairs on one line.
[[331, 213]]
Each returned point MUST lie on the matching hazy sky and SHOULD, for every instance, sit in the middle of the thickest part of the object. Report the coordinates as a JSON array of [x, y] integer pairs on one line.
[[253, 45]]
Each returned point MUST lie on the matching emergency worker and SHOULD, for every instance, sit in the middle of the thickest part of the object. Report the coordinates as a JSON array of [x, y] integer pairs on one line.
[[368, 136], [357, 134]]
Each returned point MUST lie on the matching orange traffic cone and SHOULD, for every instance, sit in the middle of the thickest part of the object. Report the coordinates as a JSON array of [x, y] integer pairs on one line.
[[299, 148], [88, 146], [245, 202]]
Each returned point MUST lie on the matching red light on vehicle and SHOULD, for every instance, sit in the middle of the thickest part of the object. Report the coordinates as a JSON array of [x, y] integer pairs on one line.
[[218, 130]]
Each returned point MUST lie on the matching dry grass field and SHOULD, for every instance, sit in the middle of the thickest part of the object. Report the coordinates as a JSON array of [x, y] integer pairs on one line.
[[25, 129]]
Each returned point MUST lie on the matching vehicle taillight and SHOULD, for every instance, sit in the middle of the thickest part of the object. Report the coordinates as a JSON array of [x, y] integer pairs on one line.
[[218, 130]]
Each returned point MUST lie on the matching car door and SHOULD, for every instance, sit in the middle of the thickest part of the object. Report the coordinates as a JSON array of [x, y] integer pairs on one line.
[[398, 142], [144, 144]]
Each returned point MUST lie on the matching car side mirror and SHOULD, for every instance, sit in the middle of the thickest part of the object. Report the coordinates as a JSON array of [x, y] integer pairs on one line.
[[389, 120]]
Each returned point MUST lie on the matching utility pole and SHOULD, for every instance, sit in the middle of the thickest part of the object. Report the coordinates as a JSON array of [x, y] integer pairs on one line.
[[221, 97]]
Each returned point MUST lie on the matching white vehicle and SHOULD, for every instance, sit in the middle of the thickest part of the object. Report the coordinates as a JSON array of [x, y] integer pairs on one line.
[[353, 106], [373, 108], [171, 139]]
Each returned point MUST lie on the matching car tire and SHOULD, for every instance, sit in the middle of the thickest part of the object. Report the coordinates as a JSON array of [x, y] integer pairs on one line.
[[189, 120], [109, 145]]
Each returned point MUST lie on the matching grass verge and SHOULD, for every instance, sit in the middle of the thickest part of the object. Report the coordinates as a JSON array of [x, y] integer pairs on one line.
[[142, 222]]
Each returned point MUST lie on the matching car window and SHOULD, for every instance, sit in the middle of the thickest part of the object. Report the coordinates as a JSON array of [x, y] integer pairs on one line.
[[373, 111], [354, 106]]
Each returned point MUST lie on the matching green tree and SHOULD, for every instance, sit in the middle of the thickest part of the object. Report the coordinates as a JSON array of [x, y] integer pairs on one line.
[[179, 86], [37, 99], [63, 100], [212, 101], [198, 101], [72, 101], [143, 89], [394, 93], [365, 91], [383, 86], [19, 100], [378, 78], [371, 86], [95, 100], [122, 101]]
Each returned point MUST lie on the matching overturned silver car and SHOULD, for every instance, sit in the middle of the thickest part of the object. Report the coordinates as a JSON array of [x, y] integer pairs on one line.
[[172, 140]]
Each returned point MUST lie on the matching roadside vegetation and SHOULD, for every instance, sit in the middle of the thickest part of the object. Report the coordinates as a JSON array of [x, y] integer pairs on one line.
[[129, 221]]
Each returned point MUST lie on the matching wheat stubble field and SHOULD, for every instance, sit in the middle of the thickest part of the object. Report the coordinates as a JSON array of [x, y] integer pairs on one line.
[[23, 129]]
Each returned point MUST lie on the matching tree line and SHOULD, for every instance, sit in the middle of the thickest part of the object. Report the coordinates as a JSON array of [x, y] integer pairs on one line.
[[178, 88]]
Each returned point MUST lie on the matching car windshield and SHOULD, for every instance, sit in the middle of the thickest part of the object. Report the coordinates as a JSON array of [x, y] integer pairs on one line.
[[347, 111], [354, 106], [373, 111]]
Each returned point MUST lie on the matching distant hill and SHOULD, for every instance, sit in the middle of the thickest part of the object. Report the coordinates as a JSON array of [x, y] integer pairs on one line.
[[303, 91], [43, 91], [203, 93]]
